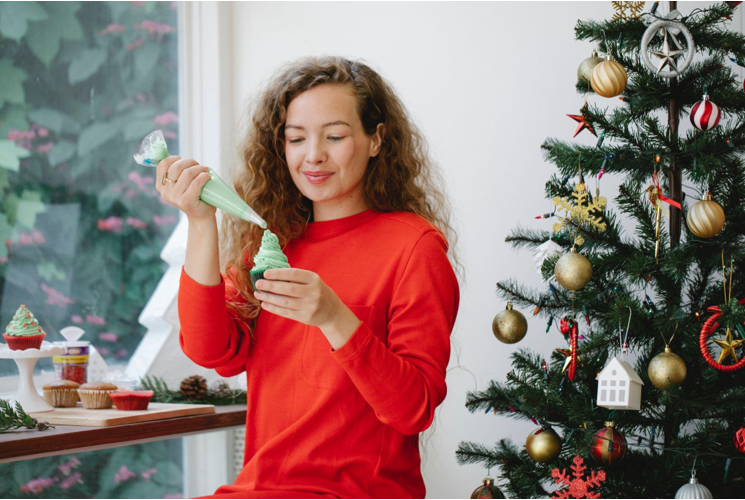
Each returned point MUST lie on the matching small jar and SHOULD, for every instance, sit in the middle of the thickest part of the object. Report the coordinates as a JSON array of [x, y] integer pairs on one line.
[[73, 365]]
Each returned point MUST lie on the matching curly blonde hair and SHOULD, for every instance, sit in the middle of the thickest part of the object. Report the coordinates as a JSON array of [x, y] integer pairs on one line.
[[401, 178]]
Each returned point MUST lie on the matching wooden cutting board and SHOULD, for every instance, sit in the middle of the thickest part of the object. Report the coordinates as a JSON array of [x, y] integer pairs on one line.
[[112, 416]]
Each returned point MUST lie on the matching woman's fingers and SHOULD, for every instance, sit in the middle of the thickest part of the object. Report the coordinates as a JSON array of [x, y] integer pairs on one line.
[[290, 274], [280, 287], [177, 167], [163, 166], [290, 303], [185, 178]]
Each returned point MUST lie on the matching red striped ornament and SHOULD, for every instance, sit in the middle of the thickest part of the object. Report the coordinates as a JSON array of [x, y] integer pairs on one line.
[[705, 114]]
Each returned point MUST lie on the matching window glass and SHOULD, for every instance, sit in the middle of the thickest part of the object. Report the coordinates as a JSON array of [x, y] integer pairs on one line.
[[81, 225], [150, 470]]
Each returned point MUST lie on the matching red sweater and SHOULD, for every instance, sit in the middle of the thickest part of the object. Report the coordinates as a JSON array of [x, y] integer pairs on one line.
[[341, 423]]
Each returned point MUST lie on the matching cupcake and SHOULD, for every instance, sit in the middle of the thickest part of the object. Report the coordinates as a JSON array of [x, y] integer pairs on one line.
[[270, 256], [61, 393], [95, 396], [131, 400], [23, 332]]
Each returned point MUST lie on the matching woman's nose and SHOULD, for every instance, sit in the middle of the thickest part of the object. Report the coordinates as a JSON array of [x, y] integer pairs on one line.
[[316, 152]]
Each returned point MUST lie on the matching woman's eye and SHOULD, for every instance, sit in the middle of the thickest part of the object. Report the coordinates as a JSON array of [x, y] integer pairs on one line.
[[335, 138], [295, 141]]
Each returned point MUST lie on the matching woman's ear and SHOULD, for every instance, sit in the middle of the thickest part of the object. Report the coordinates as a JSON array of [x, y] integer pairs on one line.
[[377, 140]]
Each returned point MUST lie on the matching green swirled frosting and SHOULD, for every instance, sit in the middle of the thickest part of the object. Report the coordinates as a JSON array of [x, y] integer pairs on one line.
[[23, 324], [270, 256]]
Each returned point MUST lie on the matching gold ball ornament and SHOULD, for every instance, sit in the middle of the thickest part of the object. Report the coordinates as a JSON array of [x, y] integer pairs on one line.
[[667, 370], [705, 218], [573, 271], [509, 326], [584, 72], [543, 445], [608, 78]]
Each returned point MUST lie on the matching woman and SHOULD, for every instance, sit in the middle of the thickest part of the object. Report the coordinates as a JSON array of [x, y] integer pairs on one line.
[[345, 353]]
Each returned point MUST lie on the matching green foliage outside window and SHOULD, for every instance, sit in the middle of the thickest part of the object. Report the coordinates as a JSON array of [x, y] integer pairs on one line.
[[81, 225]]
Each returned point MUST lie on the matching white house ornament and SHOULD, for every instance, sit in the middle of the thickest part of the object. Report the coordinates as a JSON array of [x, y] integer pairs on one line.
[[619, 386], [670, 53], [544, 251], [705, 114]]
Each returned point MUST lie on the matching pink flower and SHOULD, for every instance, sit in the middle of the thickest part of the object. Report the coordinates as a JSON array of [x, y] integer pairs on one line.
[[136, 43], [31, 237], [154, 27], [165, 220], [108, 336], [169, 134], [55, 298], [148, 473], [43, 132], [134, 222], [103, 351], [131, 193], [3, 260], [121, 353], [113, 28], [71, 464], [44, 148], [143, 183], [166, 118], [95, 320], [124, 474], [76, 319], [36, 486], [71, 481], [113, 224], [16, 135]]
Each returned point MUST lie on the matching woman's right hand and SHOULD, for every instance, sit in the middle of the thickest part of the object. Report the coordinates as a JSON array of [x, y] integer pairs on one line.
[[186, 178]]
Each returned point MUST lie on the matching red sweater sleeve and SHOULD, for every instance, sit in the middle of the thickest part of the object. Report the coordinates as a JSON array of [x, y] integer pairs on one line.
[[405, 381], [210, 334]]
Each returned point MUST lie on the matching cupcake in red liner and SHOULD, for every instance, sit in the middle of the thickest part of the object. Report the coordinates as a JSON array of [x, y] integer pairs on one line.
[[131, 400], [23, 332]]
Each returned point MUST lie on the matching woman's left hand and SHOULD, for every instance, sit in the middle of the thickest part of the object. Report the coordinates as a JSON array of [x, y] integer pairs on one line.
[[303, 296]]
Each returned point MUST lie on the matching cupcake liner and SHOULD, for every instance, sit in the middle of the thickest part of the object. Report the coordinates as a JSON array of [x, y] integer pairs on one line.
[[131, 400], [256, 276], [61, 398], [22, 343], [95, 399]]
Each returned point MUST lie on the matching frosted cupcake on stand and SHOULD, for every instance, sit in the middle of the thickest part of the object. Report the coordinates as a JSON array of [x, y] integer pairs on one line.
[[23, 332]]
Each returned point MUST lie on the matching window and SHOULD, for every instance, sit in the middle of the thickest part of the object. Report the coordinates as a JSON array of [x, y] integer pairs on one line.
[[81, 225], [150, 470]]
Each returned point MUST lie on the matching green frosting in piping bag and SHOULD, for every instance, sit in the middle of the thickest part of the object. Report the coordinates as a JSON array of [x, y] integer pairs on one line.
[[270, 256]]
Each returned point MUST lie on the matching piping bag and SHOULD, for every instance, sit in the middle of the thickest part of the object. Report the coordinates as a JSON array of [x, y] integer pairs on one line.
[[215, 192]]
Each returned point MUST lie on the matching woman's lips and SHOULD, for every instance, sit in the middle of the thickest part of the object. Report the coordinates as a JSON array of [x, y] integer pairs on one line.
[[317, 177]]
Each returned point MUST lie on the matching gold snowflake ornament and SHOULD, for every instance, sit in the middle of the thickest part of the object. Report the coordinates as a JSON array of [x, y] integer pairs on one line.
[[626, 11], [580, 211]]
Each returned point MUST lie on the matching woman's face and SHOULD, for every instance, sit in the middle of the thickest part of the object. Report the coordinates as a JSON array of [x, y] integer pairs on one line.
[[327, 150]]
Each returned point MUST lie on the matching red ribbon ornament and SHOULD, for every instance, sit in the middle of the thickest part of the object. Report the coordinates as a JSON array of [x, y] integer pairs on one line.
[[573, 341], [710, 325], [656, 182]]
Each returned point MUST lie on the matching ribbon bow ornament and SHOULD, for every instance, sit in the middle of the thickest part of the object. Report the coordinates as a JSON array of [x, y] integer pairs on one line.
[[672, 16]]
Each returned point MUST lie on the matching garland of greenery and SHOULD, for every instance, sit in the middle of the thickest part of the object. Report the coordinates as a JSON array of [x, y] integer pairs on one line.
[[11, 419], [162, 394]]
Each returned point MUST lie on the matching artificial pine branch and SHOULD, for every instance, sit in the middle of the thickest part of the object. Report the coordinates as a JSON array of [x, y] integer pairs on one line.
[[162, 394], [12, 419]]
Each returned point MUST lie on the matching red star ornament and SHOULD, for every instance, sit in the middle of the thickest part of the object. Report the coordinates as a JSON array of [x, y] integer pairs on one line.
[[582, 123], [579, 487]]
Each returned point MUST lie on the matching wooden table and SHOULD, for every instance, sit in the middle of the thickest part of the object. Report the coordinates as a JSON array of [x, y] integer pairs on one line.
[[30, 443]]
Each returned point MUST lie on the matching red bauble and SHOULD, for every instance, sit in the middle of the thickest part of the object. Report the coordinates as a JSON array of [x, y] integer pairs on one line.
[[705, 114], [739, 440], [608, 445]]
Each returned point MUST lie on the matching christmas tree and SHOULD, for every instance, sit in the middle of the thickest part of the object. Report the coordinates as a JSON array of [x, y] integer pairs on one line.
[[621, 298]]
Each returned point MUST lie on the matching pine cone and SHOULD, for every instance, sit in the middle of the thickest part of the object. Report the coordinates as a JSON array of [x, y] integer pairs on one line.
[[221, 390], [194, 387]]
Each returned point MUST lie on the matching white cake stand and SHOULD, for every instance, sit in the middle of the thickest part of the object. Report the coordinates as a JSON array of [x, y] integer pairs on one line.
[[27, 394]]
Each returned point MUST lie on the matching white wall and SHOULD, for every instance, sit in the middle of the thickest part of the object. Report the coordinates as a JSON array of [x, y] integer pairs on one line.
[[487, 83]]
